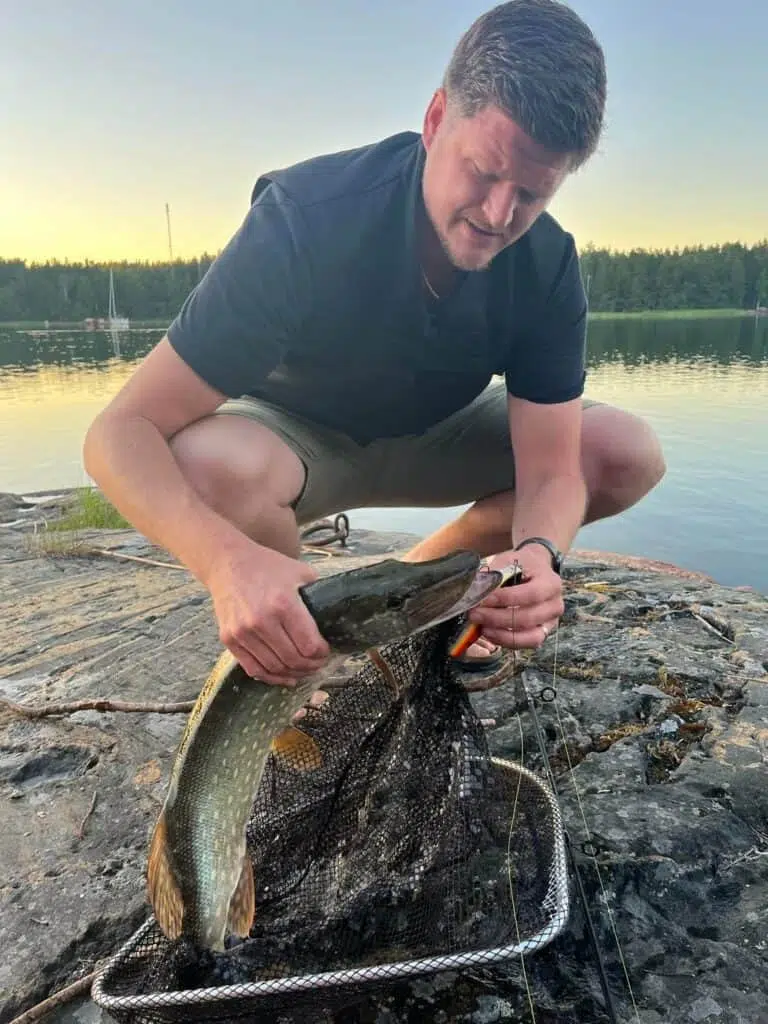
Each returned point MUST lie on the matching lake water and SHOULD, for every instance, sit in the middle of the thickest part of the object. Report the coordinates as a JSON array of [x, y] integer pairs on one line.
[[702, 384]]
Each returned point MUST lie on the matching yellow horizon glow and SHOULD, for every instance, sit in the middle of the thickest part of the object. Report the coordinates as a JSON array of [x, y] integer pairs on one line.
[[133, 228], [58, 246]]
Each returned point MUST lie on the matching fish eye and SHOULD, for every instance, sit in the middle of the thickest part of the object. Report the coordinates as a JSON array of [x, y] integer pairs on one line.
[[395, 601]]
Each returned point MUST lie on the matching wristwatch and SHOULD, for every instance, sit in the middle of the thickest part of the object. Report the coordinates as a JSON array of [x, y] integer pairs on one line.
[[557, 557]]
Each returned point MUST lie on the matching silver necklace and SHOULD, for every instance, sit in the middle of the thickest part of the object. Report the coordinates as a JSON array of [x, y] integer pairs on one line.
[[432, 291]]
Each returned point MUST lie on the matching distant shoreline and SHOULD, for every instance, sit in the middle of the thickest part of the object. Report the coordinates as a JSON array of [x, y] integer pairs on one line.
[[644, 314], [671, 314]]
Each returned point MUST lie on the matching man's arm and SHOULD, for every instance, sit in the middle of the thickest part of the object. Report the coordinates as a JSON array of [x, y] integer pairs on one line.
[[260, 615], [231, 332], [550, 493], [126, 452], [550, 501]]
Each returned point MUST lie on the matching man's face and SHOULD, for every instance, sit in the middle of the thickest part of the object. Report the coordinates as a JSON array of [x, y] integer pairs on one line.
[[485, 181]]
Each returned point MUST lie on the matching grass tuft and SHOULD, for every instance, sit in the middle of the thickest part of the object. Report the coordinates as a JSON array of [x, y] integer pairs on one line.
[[90, 511]]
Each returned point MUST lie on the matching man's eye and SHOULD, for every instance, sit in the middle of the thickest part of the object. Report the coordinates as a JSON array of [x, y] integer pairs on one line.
[[483, 175]]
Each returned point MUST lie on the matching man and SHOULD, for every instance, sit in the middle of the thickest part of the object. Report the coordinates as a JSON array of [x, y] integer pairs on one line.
[[387, 327]]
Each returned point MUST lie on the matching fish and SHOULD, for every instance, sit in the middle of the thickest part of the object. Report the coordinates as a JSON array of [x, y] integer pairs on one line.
[[199, 875]]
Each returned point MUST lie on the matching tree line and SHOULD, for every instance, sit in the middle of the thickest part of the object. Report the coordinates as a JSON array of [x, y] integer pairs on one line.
[[731, 276]]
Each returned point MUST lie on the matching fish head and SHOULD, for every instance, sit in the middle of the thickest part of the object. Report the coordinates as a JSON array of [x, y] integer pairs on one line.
[[391, 599]]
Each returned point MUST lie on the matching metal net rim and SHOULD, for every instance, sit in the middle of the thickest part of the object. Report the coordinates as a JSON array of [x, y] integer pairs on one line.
[[559, 897]]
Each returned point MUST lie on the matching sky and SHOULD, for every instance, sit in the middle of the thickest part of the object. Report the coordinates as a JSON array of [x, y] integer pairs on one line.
[[112, 108]]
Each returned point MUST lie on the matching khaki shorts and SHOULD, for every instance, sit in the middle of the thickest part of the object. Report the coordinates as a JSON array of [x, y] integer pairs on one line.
[[459, 460]]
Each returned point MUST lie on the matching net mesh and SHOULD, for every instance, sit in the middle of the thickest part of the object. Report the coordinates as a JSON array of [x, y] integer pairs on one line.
[[409, 851]]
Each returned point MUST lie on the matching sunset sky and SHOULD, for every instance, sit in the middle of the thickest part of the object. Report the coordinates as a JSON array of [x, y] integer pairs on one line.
[[113, 108]]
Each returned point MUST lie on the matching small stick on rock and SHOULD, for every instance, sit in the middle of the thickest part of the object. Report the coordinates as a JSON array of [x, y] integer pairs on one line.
[[64, 995], [183, 707], [312, 549], [137, 558], [88, 813], [708, 619], [714, 622]]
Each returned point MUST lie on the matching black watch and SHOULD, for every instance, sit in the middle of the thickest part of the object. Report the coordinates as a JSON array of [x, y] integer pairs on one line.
[[557, 557]]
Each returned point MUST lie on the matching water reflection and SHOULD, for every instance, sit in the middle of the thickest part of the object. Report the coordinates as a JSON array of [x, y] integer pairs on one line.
[[721, 341], [30, 349], [724, 341], [702, 383]]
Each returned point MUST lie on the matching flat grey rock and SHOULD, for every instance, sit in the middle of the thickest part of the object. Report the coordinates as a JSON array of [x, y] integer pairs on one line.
[[676, 818]]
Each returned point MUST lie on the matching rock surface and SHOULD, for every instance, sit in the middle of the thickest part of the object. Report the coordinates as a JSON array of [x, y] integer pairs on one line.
[[657, 736]]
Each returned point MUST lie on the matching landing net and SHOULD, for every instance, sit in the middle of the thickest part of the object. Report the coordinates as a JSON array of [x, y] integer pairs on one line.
[[410, 851]]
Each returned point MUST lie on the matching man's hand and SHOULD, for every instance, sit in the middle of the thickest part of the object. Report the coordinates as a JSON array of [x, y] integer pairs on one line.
[[522, 615], [262, 618]]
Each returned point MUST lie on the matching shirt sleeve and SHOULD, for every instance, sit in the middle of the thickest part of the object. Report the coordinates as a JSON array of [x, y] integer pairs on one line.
[[547, 358], [236, 324]]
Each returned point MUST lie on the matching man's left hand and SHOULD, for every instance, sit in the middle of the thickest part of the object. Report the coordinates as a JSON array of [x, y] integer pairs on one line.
[[522, 615]]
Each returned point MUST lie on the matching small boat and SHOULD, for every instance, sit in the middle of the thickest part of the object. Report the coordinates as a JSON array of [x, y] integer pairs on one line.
[[112, 321]]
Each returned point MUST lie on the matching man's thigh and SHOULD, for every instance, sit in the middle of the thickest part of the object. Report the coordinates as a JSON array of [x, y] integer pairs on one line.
[[465, 457], [462, 458]]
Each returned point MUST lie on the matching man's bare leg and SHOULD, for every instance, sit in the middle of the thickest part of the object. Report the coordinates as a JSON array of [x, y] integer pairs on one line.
[[247, 474], [622, 461]]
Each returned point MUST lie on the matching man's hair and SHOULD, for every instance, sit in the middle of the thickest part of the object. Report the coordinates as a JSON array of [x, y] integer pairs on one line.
[[539, 63]]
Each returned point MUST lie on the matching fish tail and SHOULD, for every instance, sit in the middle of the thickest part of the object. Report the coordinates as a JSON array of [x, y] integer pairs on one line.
[[162, 884]]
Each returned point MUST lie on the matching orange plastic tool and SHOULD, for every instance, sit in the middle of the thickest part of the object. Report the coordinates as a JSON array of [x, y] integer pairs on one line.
[[511, 575]]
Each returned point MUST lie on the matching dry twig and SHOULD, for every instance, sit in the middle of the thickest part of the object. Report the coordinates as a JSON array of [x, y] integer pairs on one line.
[[71, 707], [64, 995], [137, 558], [88, 813]]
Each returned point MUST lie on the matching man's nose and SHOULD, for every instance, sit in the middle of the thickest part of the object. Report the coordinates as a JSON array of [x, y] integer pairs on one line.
[[500, 204]]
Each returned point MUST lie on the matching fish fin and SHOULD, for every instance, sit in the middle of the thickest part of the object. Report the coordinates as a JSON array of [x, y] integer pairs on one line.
[[297, 748], [385, 669], [242, 906], [163, 887]]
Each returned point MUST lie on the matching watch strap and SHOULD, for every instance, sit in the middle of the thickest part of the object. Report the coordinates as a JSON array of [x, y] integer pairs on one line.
[[557, 557]]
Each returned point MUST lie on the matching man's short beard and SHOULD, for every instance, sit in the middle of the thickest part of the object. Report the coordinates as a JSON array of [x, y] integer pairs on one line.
[[449, 256]]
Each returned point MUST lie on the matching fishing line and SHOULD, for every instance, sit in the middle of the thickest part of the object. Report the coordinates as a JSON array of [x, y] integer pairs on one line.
[[528, 992], [582, 893], [541, 743]]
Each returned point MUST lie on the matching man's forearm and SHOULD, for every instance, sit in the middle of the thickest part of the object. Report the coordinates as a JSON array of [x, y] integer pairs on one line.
[[133, 465], [553, 507]]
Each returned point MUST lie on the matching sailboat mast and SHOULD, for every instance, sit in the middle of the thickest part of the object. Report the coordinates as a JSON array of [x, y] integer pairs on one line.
[[168, 221]]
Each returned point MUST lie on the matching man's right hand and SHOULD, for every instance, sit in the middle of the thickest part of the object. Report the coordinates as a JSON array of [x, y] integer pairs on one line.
[[262, 618]]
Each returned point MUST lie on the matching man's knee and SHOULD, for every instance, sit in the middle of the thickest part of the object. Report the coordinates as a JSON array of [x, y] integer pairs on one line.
[[238, 466], [622, 457]]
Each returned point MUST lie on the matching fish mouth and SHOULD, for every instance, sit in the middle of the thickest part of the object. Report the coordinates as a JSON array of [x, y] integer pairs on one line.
[[459, 583], [482, 583]]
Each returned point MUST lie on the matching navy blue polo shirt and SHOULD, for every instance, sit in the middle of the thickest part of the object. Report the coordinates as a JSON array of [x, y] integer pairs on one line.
[[316, 304]]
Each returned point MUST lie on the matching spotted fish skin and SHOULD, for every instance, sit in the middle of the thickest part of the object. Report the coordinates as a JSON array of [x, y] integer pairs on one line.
[[199, 875]]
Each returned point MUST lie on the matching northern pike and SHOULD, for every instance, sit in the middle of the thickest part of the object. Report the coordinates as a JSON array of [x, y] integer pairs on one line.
[[199, 875]]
